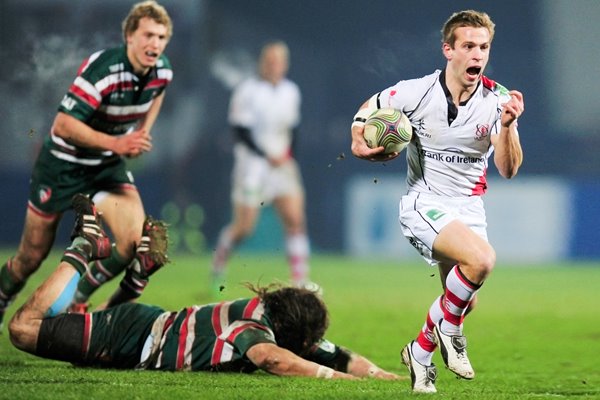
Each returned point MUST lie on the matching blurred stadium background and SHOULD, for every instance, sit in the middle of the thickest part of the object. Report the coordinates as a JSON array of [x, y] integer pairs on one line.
[[342, 52]]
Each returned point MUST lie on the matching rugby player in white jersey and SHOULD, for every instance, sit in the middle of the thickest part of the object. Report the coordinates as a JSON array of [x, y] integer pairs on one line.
[[106, 115], [264, 114], [459, 118]]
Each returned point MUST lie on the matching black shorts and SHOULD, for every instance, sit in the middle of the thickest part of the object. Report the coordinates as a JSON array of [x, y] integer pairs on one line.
[[111, 338]]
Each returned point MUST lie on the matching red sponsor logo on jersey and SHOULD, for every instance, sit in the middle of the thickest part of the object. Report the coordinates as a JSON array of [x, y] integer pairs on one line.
[[483, 130], [45, 193], [393, 93]]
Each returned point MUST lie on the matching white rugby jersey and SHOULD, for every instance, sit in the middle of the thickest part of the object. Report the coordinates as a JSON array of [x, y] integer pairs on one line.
[[269, 111], [448, 155]]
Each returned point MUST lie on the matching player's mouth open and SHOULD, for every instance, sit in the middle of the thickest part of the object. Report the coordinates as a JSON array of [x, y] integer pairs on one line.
[[473, 71], [151, 54]]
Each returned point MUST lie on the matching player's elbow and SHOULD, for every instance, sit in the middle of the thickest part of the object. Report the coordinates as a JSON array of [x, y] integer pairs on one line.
[[510, 171], [23, 332], [59, 125], [63, 125], [510, 168], [266, 357], [509, 174]]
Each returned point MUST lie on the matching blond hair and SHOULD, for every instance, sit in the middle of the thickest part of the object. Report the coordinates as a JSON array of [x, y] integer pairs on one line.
[[146, 9], [470, 18], [278, 45]]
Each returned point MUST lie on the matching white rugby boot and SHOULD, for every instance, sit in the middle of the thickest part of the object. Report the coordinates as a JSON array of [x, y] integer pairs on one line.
[[454, 352], [422, 376]]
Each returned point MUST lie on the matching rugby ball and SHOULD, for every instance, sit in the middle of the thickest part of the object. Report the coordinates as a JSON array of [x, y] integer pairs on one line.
[[389, 128]]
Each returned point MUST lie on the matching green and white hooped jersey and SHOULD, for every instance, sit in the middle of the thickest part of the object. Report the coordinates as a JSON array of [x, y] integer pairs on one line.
[[216, 337], [109, 97], [451, 145]]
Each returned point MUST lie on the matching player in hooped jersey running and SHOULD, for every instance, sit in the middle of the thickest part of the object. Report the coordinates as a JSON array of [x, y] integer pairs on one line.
[[107, 114], [279, 331], [459, 119]]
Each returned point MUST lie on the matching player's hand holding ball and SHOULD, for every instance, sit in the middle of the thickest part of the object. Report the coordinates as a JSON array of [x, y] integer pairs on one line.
[[385, 133]]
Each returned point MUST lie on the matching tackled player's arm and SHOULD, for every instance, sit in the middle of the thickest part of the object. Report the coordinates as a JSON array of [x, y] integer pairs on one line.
[[279, 361], [344, 360], [360, 366], [80, 134]]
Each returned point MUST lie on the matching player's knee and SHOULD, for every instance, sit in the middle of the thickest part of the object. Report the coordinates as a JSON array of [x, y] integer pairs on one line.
[[480, 264], [486, 259], [26, 263], [242, 231]]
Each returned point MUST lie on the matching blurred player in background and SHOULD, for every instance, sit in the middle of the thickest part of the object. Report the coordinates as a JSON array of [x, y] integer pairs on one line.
[[459, 118], [264, 113], [106, 115], [280, 331]]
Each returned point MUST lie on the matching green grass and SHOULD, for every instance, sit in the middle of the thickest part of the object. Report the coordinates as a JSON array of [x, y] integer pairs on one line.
[[535, 334]]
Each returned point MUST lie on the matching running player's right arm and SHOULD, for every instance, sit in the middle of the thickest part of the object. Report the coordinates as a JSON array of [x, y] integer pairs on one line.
[[78, 133], [279, 361], [359, 146]]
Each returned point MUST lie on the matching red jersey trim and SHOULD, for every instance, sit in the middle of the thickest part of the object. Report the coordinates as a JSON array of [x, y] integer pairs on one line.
[[83, 95], [481, 185], [87, 334], [250, 307], [40, 213], [488, 83], [182, 340]]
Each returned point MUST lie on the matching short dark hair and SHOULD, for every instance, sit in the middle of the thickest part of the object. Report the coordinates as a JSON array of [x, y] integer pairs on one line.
[[298, 316]]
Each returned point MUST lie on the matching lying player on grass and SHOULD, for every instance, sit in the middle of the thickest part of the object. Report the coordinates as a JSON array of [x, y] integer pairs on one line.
[[280, 330]]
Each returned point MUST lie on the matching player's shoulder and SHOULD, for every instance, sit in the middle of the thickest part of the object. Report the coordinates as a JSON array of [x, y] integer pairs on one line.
[[289, 82], [248, 82], [290, 86], [246, 87], [164, 62], [420, 82], [493, 87], [103, 62], [107, 57]]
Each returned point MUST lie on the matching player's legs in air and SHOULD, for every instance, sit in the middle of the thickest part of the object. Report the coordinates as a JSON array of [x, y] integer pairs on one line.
[[88, 243], [110, 338], [123, 213], [150, 256]]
